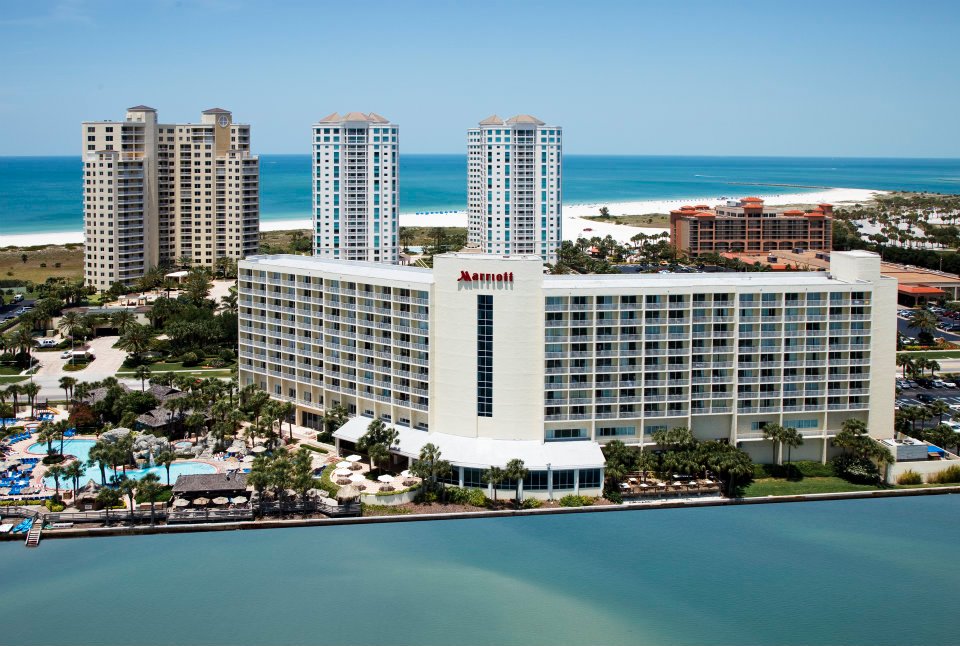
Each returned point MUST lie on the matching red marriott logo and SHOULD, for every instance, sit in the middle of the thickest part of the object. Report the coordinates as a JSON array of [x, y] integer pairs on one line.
[[467, 277]]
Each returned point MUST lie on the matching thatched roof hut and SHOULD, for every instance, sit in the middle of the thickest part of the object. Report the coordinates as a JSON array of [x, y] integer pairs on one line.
[[350, 493]]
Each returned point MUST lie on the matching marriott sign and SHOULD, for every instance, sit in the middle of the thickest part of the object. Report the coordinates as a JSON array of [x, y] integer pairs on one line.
[[467, 277]]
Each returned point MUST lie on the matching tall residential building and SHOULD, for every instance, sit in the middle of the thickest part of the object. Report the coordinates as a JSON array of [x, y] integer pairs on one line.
[[355, 191], [513, 186], [155, 193], [747, 226], [489, 359]]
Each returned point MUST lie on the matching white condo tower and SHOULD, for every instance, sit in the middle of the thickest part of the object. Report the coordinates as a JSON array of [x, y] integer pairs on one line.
[[513, 186], [355, 200]]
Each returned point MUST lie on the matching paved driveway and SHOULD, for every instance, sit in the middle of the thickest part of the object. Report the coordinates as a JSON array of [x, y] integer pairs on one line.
[[107, 363]]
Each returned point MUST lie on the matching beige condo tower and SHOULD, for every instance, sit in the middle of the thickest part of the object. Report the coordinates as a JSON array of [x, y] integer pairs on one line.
[[158, 193]]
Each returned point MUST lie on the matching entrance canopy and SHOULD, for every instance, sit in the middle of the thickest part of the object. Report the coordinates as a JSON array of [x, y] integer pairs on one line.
[[484, 452]]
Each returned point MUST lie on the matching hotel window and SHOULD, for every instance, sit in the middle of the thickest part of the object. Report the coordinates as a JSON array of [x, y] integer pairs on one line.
[[589, 478], [485, 355]]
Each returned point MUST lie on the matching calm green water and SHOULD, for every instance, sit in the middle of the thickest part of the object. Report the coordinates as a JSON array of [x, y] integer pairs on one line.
[[854, 572]]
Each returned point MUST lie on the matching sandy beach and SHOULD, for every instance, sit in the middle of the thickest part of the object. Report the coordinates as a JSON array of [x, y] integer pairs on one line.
[[573, 222]]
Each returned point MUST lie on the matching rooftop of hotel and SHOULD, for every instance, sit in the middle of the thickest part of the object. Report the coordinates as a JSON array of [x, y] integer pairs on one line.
[[370, 117], [520, 119]]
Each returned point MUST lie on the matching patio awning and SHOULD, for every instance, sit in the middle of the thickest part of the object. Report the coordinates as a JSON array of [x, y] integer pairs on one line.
[[484, 452]]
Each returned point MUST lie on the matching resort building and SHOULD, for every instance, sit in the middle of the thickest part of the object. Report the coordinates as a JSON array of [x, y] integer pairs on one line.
[[355, 188], [513, 187], [489, 359], [745, 226], [158, 193]]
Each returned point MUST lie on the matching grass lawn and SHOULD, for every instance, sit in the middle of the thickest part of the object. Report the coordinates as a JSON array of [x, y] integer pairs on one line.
[[658, 220], [11, 379], [781, 487], [70, 258], [10, 370], [423, 236]]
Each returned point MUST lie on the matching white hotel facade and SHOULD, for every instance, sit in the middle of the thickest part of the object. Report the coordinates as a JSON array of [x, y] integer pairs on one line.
[[489, 359], [514, 187], [355, 188]]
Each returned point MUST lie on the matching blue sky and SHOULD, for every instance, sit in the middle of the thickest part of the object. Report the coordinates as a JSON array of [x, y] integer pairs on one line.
[[809, 78]]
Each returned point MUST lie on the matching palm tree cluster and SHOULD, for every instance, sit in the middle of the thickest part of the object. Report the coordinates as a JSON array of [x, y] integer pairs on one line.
[[13, 393], [377, 441], [780, 437], [860, 452], [679, 452], [280, 471]]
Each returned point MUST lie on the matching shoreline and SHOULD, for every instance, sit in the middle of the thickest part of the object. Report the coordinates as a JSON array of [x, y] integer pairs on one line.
[[573, 213], [93, 532]]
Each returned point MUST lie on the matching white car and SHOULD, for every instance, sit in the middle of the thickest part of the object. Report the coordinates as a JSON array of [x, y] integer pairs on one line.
[[955, 407], [66, 354]]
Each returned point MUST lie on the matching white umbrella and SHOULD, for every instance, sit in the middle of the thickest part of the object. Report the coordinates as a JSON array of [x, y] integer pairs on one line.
[[258, 449], [385, 478], [248, 458], [358, 477], [239, 500], [343, 473], [180, 502], [353, 458], [201, 501], [343, 464], [220, 500], [405, 473]]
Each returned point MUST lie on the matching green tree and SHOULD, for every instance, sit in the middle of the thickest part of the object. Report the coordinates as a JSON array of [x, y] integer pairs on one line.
[[75, 471], [494, 476], [67, 383], [108, 498], [792, 438], [166, 457], [281, 475], [149, 488], [776, 434], [142, 373], [31, 389], [939, 408], [128, 487], [99, 455], [56, 472], [924, 321], [430, 466], [136, 341], [259, 478], [516, 471]]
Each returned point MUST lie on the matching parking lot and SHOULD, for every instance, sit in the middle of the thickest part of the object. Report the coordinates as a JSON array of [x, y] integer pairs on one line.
[[948, 328], [914, 394]]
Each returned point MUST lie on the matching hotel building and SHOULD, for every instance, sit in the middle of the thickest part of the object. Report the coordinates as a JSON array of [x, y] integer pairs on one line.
[[156, 193], [747, 226], [513, 187], [489, 359], [355, 191]]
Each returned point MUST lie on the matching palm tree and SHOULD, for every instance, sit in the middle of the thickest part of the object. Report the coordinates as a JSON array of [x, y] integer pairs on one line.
[[75, 471], [108, 498], [924, 321], [56, 472], [142, 373], [149, 488], [905, 362], [123, 320], [646, 461], [135, 341], [517, 472], [259, 477], [938, 408], [3, 406], [494, 476], [792, 438], [68, 383], [281, 472], [933, 366], [776, 434], [376, 453], [15, 390], [31, 390], [166, 457], [429, 466], [99, 455]]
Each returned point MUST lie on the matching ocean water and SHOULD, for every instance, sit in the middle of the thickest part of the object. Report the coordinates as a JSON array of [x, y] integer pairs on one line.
[[43, 194], [872, 572]]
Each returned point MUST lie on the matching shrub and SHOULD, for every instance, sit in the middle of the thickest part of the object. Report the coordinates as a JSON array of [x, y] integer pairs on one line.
[[613, 495], [855, 469], [316, 449], [55, 458], [531, 503], [54, 506], [573, 500], [189, 359], [909, 477], [947, 476], [216, 363], [466, 496], [227, 355]]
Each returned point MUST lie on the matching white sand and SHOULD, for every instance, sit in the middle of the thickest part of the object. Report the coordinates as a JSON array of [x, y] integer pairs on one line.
[[573, 224]]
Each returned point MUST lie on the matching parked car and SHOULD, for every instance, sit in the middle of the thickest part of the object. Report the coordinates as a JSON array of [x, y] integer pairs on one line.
[[955, 407], [17, 298], [46, 343], [926, 398], [923, 382]]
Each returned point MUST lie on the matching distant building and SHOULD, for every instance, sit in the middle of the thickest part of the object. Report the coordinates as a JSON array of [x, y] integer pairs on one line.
[[355, 188], [514, 186], [155, 193], [746, 226]]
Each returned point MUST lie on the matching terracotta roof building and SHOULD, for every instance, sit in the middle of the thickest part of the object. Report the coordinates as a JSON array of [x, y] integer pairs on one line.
[[746, 226]]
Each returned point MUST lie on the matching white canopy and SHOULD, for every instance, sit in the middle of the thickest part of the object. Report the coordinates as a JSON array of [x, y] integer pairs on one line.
[[484, 452]]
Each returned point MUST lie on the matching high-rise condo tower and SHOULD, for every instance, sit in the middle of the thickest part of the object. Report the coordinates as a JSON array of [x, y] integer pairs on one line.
[[513, 186], [355, 187], [161, 193]]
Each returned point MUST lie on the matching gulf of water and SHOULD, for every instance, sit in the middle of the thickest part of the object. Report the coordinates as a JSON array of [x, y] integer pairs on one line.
[[871, 572], [43, 194]]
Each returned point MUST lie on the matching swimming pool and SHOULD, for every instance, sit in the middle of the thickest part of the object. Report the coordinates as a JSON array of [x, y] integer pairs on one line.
[[81, 449]]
